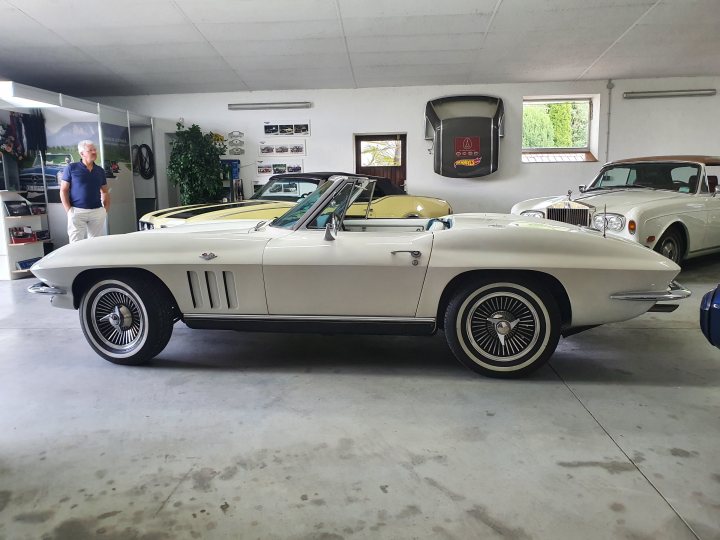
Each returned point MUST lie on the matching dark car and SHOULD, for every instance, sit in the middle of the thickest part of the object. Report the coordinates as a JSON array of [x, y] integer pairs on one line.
[[710, 316]]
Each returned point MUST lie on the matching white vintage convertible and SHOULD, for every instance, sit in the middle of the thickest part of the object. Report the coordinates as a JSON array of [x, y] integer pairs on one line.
[[666, 203], [503, 288]]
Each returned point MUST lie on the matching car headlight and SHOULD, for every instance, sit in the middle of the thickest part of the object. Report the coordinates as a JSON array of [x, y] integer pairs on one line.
[[533, 213], [609, 222]]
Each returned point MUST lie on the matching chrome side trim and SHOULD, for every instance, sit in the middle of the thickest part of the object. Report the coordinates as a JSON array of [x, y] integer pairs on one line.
[[675, 291], [201, 316], [42, 288]]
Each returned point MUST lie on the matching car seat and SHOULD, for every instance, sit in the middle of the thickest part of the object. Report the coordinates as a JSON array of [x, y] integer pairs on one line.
[[712, 182]]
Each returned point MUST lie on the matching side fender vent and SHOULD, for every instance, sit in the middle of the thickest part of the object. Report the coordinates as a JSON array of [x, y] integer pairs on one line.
[[212, 290]]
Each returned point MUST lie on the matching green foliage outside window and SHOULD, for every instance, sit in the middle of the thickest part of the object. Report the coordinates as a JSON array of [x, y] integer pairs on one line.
[[195, 165], [556, 125], [560, 116], [580, 124], [537, 128]]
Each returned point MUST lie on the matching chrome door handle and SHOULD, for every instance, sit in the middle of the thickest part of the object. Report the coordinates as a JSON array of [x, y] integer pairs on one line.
[[412, 253]]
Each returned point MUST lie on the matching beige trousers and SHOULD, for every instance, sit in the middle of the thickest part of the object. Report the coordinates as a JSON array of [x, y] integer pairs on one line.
[[85, 223]]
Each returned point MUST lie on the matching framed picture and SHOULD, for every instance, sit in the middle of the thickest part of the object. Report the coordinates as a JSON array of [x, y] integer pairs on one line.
[[279, 166], [301, 128], [289, 148]]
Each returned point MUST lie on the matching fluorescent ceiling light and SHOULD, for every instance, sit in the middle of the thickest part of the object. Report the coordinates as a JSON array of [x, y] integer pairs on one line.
[[273, 105], [20, 95], [669, 93]]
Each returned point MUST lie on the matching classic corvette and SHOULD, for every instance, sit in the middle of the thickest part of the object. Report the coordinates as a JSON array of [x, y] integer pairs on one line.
[[666, 203], [503, 288], [282, 191]]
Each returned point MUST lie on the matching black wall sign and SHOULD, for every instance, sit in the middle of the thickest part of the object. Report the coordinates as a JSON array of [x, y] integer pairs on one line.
[[465, 131]]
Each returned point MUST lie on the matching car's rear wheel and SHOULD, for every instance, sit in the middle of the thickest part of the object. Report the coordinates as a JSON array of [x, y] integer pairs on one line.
[[502, 328], [671, 245], [126, 320]]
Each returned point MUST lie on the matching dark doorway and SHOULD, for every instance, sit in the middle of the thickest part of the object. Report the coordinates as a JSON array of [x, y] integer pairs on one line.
[[382, 155]]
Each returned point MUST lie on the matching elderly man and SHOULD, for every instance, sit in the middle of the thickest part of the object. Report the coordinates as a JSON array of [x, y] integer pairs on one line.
[[85, 195]]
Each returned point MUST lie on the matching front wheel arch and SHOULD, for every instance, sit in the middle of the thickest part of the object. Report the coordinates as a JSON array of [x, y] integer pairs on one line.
[[678, 228], [550, 282], [87, 278]]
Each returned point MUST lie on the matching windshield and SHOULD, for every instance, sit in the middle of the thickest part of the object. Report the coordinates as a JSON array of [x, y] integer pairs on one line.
[[336, 205], [288, 219], [680, 177], [286, 189]]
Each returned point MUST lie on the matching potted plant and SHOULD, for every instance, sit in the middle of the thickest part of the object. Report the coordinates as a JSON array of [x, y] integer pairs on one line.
[[195, 165]]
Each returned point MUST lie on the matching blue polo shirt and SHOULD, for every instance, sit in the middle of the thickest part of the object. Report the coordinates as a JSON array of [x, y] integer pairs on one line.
[[84, 184]]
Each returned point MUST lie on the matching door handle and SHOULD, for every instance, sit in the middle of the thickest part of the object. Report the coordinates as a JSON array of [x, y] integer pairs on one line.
[[413, 253]]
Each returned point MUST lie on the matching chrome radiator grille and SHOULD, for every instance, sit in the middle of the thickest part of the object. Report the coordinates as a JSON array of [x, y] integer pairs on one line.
[[573, 216]]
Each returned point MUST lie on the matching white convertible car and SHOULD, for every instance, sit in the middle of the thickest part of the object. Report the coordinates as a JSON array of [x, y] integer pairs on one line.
[[666, 203], [503, 288]]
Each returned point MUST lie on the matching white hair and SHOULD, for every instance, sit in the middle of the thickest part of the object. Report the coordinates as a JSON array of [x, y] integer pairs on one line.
[[82, 145]]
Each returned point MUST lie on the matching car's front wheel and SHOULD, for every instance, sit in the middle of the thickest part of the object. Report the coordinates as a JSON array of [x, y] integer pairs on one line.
[[502, 328], [671, 246], [125, 320]]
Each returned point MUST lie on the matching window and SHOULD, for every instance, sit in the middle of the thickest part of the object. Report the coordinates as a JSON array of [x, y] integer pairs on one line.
[[381, 153], [557, 130]]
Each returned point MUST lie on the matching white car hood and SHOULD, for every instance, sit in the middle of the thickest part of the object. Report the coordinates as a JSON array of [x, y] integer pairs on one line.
[[495, 221]]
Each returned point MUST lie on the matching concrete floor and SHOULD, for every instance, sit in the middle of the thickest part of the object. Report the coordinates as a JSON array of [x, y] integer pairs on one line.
[[231, 435]]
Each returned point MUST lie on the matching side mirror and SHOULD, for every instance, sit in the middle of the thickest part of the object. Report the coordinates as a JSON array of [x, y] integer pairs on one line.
[[581, 188], [331, 228]]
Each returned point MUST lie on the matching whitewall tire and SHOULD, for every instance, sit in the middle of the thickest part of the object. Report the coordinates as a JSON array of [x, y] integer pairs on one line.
[[502, 328]]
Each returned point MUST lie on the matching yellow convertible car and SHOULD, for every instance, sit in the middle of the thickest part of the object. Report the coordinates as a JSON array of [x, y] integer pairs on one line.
[[282, 191]]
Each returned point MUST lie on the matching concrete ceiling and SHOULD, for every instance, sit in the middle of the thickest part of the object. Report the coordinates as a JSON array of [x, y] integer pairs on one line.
[[107, 47]]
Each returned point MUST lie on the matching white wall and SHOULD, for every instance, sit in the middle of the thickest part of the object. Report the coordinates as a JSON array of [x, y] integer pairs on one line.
[[637, 127]]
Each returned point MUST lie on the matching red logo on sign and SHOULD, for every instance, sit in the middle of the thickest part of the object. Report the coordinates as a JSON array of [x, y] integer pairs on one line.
[[467, 146]]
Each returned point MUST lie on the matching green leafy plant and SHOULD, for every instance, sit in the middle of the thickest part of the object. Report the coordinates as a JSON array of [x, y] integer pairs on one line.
[[195, 165]]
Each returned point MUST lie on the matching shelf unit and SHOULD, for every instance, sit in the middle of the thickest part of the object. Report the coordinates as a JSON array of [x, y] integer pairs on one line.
[[10, 254]]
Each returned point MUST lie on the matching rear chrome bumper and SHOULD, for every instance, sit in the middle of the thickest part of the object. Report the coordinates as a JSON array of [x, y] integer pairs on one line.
[[42, 288], [674, 292]]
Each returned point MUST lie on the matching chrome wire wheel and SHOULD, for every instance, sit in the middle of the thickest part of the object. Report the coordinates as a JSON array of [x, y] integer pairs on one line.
[[127, 319], [114, 318], [117, 319], [503, 326]]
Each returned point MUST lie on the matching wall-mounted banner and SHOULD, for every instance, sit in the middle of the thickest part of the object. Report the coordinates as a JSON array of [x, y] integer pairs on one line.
[[465, 131]]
